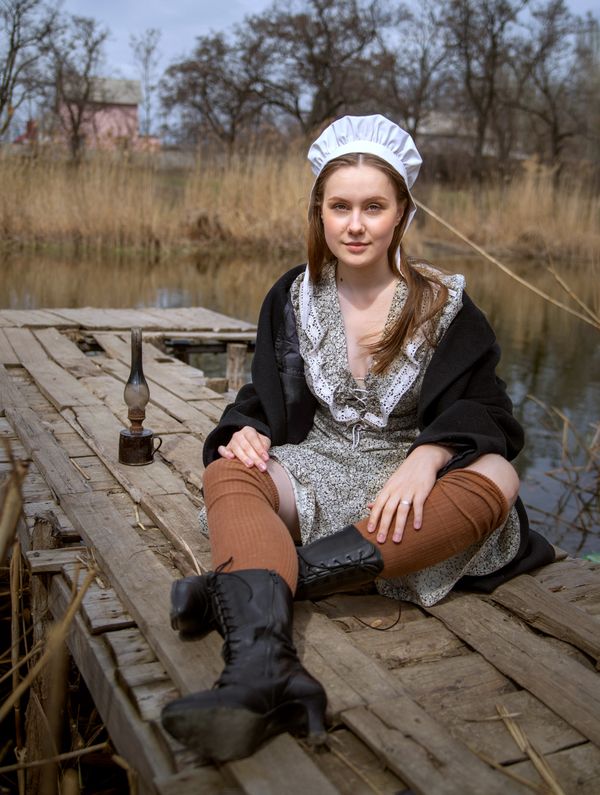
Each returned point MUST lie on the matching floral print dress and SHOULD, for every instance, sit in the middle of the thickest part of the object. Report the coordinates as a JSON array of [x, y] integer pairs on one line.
[[362, 433]]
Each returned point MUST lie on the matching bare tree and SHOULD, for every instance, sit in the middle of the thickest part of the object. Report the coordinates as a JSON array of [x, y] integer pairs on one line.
[[147, 57], [409, 69], [316, 51], [25, 30], [550, 61], [216, 90], [480, 38], [75, 58]]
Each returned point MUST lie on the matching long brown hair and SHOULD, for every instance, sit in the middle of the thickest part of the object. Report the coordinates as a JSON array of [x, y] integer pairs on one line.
[[427, 294]]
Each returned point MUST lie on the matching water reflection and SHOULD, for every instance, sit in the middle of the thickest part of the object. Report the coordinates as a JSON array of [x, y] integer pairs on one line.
[[546, 353]]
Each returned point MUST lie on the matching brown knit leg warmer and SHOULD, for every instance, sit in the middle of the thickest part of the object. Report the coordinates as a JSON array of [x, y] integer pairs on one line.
[[463, 508], [244, 528]]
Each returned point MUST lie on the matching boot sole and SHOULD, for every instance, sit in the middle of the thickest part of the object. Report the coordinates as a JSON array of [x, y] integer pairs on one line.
[[221, 734]]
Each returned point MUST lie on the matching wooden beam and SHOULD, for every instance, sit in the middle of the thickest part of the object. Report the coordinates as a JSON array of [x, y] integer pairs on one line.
[[421, 751], [559, 681], [134, 739], [549, 613]]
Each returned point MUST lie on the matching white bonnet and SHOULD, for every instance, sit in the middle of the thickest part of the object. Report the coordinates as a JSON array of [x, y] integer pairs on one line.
[[374, 135]]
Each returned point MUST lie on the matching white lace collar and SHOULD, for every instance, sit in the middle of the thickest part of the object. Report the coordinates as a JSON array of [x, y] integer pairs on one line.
[[322, 338]]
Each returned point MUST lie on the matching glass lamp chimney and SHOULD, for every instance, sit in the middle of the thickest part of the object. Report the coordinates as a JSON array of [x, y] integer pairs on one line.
[[136, 393]]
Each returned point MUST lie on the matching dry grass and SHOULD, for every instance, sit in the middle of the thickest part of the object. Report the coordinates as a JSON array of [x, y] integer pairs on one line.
[[527, 217], [259, 199]]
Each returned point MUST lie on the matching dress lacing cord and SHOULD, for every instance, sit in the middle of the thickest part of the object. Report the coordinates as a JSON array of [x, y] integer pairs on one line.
[[359, 394]]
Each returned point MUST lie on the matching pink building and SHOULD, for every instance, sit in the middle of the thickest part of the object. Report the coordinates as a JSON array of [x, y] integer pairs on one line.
[[110, 117]]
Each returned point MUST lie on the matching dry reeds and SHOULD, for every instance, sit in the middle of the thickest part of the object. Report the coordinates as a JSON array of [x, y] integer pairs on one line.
[[526, 217], [259, 198]]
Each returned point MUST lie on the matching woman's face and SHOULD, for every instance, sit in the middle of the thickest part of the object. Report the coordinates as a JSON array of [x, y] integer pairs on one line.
[[360, 212]]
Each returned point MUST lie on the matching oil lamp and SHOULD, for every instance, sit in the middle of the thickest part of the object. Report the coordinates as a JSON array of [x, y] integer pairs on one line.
[[136, 444]]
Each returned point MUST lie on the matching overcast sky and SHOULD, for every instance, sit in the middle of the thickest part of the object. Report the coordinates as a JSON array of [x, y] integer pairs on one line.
[[179, 21]]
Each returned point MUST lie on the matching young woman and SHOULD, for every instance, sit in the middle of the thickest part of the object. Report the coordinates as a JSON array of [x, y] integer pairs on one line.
[[373, 444]]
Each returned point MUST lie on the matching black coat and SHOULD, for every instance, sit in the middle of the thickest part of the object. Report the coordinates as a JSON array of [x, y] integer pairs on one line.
[[463, 404]]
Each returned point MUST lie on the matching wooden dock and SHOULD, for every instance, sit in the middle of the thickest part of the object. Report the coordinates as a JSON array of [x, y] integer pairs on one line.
[[414, 696]]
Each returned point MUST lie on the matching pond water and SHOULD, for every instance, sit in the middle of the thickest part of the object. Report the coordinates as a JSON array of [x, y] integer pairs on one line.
[[550, 361]]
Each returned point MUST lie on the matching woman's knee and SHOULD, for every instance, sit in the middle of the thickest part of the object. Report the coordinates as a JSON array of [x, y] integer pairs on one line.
[[501, 471]]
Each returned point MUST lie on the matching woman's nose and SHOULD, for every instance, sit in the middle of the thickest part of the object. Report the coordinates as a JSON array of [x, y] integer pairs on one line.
[[355, 223]]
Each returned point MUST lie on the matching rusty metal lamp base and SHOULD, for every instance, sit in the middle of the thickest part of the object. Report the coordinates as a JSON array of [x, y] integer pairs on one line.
[[137, 448]]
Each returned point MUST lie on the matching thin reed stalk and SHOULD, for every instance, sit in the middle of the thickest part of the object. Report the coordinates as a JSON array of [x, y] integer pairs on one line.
[[593, 319], [537, 759], [55, 640], [15, 591]]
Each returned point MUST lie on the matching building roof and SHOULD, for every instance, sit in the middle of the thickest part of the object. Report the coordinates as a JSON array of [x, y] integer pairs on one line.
[[110, 91]]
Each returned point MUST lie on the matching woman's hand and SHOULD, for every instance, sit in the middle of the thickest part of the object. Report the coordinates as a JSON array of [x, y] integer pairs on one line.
[[249, 446], [410, 485]]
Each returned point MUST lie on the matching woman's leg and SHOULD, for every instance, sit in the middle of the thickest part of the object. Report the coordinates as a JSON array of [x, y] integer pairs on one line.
[[463, 508], [264, 689], [245, 523]]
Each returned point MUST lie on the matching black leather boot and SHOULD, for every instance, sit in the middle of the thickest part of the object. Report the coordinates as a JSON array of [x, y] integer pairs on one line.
[[343, 561], [191, 606], [264, 689], [340, 562]]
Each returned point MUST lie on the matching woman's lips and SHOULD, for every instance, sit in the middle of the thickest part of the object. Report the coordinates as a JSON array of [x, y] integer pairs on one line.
[[356, 246]]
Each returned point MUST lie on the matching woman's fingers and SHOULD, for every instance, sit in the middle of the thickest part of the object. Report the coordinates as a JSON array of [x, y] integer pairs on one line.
[[400, 524], [249, 447]]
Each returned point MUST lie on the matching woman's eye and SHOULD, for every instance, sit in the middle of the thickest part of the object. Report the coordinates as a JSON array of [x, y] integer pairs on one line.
[[374, 208]]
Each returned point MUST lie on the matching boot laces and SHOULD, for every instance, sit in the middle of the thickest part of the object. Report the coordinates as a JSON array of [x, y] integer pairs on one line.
[[227, 619]]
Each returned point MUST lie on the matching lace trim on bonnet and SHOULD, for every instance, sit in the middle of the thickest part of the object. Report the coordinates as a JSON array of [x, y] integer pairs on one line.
[[315, 322]]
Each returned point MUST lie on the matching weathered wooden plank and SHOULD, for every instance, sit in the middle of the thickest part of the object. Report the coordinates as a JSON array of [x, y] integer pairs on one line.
[[545, 610], [101, 608], [138, 674], [35, 318], [280, 765], [198, 318], [53, 463], [25, 345], [134, 740], [100, 429], [417, 641], [151, 697], [449, 682], [213, 409], [184, 452], [49, 511], [143, 585], [421, 751], [349, 676], [476, 722], [129, 647], [177, 517], [96, 318], [10, 394], [569, 577], [7, 353], [199, 781], [61, 388], [354, 769], [563, 684], [52, 561], [65, 352], [577, 770]]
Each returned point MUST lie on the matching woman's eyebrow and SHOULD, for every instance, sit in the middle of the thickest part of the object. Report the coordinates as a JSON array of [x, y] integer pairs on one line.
[[368, 199]]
